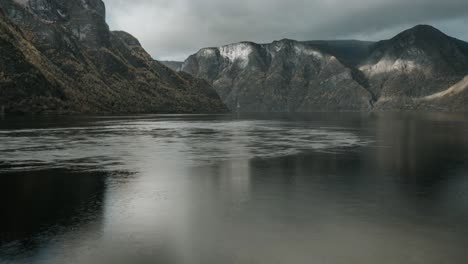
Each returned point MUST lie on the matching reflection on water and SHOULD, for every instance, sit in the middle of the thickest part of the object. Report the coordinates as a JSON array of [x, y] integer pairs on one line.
[[316, 188], [105, 145], [39, 205]]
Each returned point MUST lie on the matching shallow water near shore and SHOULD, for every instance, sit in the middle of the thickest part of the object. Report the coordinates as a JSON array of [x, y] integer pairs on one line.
[[267, 188]]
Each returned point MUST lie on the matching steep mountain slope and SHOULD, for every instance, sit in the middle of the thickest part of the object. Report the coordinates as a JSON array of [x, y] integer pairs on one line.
[[454, 99], [282, 76], [25, 74], [416, 63], [83, 67], [338, 75], [455, 90]]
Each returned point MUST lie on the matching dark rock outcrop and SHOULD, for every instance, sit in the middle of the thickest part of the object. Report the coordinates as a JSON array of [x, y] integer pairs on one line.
[[403, 73], [59, 55]]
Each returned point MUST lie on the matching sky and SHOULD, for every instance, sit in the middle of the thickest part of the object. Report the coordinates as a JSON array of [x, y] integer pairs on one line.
[[175, 29]]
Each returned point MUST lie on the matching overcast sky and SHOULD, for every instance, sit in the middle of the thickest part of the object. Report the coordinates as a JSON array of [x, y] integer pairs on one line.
[[174, 29]]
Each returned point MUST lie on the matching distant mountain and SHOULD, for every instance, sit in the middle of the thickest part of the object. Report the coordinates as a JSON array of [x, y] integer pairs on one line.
[[405, 72], [282, 76], [350, 52], [59, 55], [174, 65], [416, 63]]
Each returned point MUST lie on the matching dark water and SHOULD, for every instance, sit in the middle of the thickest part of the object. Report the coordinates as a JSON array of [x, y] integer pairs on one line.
[[319, 188]]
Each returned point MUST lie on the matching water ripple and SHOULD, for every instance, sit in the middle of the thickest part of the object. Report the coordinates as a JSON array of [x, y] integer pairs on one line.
[[116, 145]]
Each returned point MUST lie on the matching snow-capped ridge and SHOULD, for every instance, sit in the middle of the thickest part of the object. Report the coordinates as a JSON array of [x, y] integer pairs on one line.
[[239, 52]]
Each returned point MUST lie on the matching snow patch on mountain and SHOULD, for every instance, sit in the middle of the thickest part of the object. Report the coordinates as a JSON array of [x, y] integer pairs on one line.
[[387, 66], [303, 50], [237, 53]]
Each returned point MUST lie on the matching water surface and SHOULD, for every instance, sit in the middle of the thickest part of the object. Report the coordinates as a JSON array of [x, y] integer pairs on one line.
[[305, 188]]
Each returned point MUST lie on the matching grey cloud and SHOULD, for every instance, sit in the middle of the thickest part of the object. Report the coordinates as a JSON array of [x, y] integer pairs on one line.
[[173, 29]]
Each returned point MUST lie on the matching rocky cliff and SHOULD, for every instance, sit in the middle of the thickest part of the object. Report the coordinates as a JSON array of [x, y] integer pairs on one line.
[[410, 71], [282, 76], [59, 55]]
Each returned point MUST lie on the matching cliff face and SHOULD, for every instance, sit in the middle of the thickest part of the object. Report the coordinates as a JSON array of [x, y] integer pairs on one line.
[[26, 77], [76, 64], [282, 76], [400, 73]]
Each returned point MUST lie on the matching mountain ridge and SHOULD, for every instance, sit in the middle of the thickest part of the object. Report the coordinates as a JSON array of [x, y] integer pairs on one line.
[[414, 64], [85, 67], [287, 73]]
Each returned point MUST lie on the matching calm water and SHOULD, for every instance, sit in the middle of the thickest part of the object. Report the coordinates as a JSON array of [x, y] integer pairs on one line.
[[320, 188]]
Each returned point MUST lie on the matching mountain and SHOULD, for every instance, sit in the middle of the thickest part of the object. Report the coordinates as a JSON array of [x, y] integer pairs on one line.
[[26, 77], [416, 63], [408, 72], [455, 98], [60, 56], [174, 65], [283, 76]]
